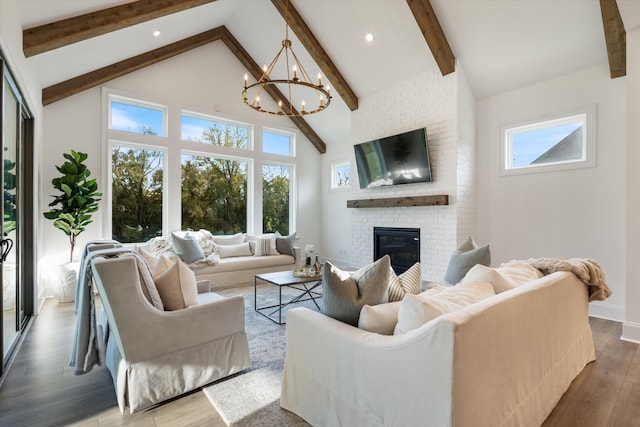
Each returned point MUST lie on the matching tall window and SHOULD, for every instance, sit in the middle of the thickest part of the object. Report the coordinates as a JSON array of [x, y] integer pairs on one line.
[[200, 176], [214, 194], [558, 143], [136, 193], [276, 191]]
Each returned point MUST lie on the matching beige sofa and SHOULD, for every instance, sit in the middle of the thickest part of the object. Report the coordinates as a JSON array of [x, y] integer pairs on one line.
[[225, 272], [154, 355], [503, 361]]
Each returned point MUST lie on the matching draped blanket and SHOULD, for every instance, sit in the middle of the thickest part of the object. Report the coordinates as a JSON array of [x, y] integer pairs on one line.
[[85, 353], [587, 270]]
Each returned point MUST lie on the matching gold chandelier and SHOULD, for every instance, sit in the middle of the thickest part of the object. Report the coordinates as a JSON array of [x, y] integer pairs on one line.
[[296, 88]]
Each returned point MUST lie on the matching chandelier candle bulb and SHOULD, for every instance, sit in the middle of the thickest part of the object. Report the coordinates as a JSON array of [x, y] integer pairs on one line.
[[295, 72], [319, 79], [246, 80]]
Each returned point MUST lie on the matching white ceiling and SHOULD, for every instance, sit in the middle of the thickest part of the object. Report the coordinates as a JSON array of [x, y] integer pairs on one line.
[[500, 44]]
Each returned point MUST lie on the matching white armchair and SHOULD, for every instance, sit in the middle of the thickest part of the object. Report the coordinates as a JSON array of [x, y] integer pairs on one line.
[[154, 355]]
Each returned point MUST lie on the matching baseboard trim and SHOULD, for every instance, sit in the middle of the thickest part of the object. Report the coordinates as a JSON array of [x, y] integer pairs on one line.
[[606, 311], [631, 332]]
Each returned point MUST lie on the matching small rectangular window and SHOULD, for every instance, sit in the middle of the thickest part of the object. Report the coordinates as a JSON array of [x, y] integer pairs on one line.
[[137, 117], [277, 143], [560, 143], [341, 175], [208, 130]]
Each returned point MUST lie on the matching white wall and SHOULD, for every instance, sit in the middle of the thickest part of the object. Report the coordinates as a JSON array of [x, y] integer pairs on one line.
[[576, 213], [209, 80], [25, 76], [425, 100], [631, 326]]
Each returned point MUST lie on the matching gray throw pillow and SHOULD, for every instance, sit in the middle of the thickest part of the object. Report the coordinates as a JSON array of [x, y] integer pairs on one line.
[[284, 244], [344, 294], [464, 258], [187, 248]]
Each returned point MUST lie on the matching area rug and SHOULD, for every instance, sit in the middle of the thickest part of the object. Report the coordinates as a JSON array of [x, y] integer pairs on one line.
[[252, 397]]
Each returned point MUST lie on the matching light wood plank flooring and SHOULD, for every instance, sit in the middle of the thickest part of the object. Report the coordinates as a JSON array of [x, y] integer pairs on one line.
[[41, 390]]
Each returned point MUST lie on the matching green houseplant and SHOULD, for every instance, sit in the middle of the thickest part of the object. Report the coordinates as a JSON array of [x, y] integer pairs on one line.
[[78, 198]]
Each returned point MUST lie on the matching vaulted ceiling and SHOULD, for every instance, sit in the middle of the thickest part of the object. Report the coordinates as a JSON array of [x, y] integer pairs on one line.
[[500, 44]]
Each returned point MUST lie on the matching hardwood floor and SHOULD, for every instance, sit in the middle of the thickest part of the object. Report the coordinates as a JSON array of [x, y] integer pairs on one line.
[[41, 390]]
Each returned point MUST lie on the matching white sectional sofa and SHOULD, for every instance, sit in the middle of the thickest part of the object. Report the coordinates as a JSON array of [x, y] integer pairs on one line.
[[503, 361]]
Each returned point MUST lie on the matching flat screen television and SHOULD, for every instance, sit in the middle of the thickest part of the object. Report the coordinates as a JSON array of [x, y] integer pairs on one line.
[[394, 160]]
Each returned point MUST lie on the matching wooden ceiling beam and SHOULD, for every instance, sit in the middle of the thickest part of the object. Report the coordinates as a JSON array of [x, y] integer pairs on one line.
[[61, 33], [97, 77], [433, 34], [102, 75], [317, 52], [615, 37]]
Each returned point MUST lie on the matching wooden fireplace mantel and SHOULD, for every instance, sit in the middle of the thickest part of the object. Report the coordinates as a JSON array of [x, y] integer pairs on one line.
[[393, 202]]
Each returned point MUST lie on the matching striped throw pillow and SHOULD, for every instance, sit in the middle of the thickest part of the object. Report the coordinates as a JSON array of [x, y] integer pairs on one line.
[[265, 246], [409, 282]]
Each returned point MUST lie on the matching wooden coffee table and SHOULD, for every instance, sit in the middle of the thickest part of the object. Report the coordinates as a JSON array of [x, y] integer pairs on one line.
[[306, 286]]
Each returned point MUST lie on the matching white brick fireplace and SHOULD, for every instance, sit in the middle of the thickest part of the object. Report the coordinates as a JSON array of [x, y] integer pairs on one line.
[[446, 107]]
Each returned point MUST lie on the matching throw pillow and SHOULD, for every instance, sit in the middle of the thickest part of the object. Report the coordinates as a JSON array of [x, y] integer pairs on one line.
[[176, 284], [284, 244], [344, 294], [234, 239], [482, 273], [381, 318], [464, 257], [265, 246], [416, 310], [187, 248], [227, 251], [519, 272], [151, 259], [409, 282]]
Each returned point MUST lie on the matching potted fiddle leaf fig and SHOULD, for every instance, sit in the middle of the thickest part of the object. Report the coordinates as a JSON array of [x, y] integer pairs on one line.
[[78, 198]]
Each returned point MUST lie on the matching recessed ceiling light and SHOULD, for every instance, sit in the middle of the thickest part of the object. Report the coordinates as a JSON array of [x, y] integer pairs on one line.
[[156, 33], [369, 37]]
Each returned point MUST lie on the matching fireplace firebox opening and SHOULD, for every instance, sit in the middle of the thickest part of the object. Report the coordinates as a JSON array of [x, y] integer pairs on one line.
[[401, 244]]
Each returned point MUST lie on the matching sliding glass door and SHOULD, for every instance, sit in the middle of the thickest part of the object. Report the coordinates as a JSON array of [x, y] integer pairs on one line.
[[17, 281]]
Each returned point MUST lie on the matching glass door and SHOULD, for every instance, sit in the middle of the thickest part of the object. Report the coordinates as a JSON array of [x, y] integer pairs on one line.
[[10, 295], [16, 133]]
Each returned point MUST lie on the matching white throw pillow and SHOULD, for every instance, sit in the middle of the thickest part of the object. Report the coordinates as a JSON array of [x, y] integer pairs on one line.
[[519, 272], [227, 251], [176, 284], [481, 273], [416, 310], [234, 239], [409, 282], [380, 318]]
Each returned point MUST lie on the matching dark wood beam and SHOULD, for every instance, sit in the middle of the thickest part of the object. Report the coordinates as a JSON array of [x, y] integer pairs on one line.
[[319, 55], [72, 30], [432, 31], [102, 75], [616, 38], [256, 71], [394, 202], [97, 77]]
